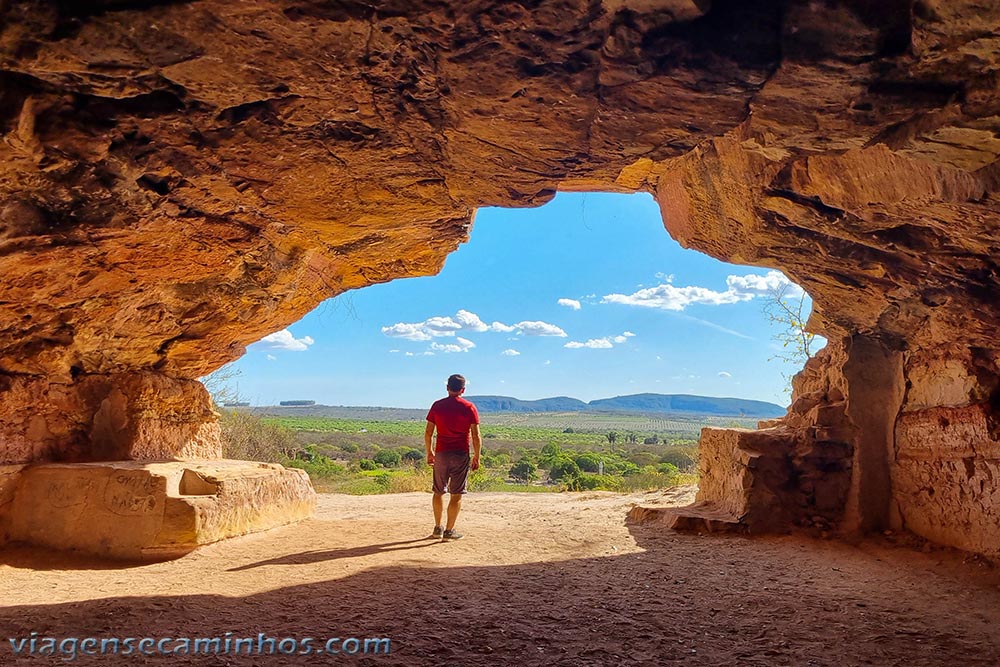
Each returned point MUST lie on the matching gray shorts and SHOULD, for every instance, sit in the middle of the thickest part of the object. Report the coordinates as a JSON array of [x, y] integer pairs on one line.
[[451, 471]]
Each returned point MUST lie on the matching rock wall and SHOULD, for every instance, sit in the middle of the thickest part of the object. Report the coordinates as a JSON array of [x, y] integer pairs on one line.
[[142, 415], [179, 179], [947, 448]]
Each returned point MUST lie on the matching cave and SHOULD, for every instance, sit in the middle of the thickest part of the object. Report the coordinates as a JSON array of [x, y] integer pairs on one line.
[[179, 179]]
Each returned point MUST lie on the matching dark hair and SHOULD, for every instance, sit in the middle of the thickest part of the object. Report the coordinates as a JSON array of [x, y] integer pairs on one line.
[[456, 382]]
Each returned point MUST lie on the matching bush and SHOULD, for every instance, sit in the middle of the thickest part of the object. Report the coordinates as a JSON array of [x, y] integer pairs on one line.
[[247, 437], [667, 468], [588, 461], [524, 471], [549, 454], [685, 458], [499, 460], [651, 440], [387, 458], [589, 482], [414, 456], [350, 448], [367, 464], [564, 467], [319, 467], [642, 459]]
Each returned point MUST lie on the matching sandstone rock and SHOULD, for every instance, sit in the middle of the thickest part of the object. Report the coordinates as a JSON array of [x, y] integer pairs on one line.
[[152, 511], [178, 180]]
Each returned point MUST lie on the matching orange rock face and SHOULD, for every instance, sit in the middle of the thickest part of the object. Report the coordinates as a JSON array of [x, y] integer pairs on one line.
[[179, 179]]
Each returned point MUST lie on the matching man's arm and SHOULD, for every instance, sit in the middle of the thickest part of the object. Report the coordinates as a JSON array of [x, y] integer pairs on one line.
[[477, 446], [428, 438]]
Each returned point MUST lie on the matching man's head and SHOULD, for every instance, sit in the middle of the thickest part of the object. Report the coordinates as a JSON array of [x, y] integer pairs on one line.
[[456, 385]]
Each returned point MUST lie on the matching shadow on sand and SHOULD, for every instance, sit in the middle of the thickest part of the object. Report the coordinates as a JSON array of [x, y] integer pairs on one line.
[[686, 600]]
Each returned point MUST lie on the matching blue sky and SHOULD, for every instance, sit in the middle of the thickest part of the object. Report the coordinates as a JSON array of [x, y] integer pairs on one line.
[[587, 296]]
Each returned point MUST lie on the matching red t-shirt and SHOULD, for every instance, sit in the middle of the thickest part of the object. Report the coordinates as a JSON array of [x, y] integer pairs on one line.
[[453, 418]]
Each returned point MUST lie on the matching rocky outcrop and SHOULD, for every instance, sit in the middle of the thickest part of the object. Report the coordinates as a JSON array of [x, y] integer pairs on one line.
[[179, 179], [150, 511], [140, 415]]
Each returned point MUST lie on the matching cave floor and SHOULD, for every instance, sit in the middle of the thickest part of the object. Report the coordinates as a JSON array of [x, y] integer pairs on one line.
[[540, 579]]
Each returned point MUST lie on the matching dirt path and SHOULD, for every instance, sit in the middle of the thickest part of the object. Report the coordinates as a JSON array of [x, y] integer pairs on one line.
[[540, 579]]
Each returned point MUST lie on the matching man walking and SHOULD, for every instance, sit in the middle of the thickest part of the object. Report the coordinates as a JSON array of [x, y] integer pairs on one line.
[[455, 419]]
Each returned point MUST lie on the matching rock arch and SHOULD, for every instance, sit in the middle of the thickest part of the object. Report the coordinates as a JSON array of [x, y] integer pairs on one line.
[[179, 179]]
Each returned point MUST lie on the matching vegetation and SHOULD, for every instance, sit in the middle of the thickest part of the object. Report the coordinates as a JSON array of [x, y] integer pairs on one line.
[[367, 456]]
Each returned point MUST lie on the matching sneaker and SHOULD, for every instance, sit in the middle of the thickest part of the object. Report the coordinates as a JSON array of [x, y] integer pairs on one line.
[[452, 535], [438, 530]]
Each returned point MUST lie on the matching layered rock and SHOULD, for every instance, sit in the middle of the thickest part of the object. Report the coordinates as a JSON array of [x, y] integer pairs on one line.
[[179, 179]]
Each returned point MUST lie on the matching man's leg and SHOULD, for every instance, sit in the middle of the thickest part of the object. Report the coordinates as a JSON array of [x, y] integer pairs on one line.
[[438, 504], [454, 506]]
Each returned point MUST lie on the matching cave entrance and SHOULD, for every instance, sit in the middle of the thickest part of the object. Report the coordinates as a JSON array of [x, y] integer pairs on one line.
[[581, 326]]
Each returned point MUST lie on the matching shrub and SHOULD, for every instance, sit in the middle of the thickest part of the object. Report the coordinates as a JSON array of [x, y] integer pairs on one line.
[[414, 456], [651, 440], [589, 482], [549, 454], [367, 464], [349, 447], [524, 471], [667, 468], [564, 467], [588, 461], [247, 437], [685, 458], [499, 460], [387, 458]]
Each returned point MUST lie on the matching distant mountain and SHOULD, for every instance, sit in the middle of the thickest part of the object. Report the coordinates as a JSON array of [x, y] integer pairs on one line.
[[645, 403], [702, 405], [508, 404]]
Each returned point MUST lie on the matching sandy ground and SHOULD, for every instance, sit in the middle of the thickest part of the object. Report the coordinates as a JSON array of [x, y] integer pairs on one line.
[[540, 579]]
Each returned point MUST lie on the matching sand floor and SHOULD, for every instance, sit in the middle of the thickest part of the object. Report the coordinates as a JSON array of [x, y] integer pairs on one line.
[[540, 579]]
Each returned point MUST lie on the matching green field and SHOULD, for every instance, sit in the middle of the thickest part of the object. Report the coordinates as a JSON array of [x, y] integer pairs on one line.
[[542, 453]]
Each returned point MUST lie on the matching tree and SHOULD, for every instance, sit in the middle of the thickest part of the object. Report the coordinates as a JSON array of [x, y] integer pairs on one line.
[[786, 307], [612, 437], [631, 438], [524, 470]]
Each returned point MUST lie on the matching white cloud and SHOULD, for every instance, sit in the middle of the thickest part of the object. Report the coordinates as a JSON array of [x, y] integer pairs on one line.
[[593, 343], [407, 331], [510, 353], [667, 296], [470, 321], [284, 340], [725, 374], [460, 345], [465, 321], [547, 362], [271, 357], [440, 326], [601, 343], [569, 303], [393, 351], [539, 329]]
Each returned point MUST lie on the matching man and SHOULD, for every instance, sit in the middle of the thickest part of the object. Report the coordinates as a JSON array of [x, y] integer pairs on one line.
[[455, 419]]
